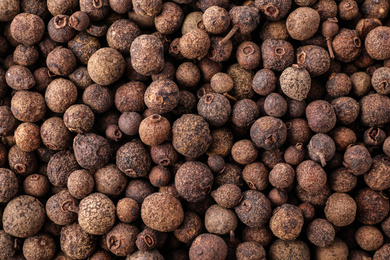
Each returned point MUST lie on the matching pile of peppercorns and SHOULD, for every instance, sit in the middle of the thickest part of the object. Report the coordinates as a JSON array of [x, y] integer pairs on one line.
[[195, 129]]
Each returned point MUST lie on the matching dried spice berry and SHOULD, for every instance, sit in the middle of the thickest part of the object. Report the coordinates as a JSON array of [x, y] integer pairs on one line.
[[286, 222], [121, 239], [219, 220], [369, 238], [138, 189], [268, 132], [245, 112], [24, 163], [28, 106], [162, 212], [96, 10], [302, 23], [80, 183], [76, 243], [347, 110], [221, 83], [41, 246], [371, 115], [133, 159], [295, 82], [275, 105], [216, 163], [121, 34], [19, 78], [348, 9], [338, 85], [187, 75], [130, 97], [285, 249], [36, 185], [227, 196], [81, 78], [23, 216], [216, 20], [341, 180], [169, 19], [110, 181], [127, 210], [83, 46], [147, 239], [320, 232], [9, 185], [193, 181], [60, 166], [194, 44], [27, 28], [79, 118], [215, 109], [194, 126], [208, 246], [61, 207], [340, 209], [376, 178], [294, 154], [372, 206], [9, 9], [346, 45], [79, 21], [147, 55], [321, 148], [256, 176], [336, 250], [314, 59], [281, 176], [27, 137], [55, 135], [191, 21], [357, 159], [320, 116], [147, 8], [162, 96], [106, 66], [277, 55], [254, 209], [377, 44], [380, 80], [159, 176], [61, 61], [59, 29], [311, 176], [91, 151], [154, 130]]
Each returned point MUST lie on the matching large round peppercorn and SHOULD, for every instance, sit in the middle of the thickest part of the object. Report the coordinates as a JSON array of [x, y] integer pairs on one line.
[[60, 208], [76, 243], [91, 150], [162, 212], [79, 118], [208, 247], [377, 43], [147, 55], [303, 23], [55, 135], [287, 221], [194, 44], [8, 10], [121, 35], [193, 181], [83, 45], [106, 66], [340, 209], [60, 94], [23, 216], [9, 185], [27, 28], [28, 106], [61, 61], [295, 82], [314, 59], [320, 116], [215, 109], [191, 135], [268, 132], [154, 130], [162, 96], [347, 45], [170, 18]]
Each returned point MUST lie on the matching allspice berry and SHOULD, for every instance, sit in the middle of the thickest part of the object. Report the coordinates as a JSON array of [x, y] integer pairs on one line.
[[9, 185], [336, 250], [169, 19], [357, 159], [208, 247], [380, 80], [162, 96], [147, 8], [154, 130], [190, 228], [61, 61], [91, 150], [314, 59], [147, 55], [27, 137], [80, 183], [36, 185], [268, 132], [106, 66], [19, 78], [320, 232], [247, 250], [28, 106], [193, 181], [376, 43], [219, 220], [79, 118], [133, 159], [77, 243], [372, 206], [121, 239], [162, 212], [281, 176], [311, 176], [127, 210], [191, 135], [256, 176], [194, 44], [110, 181], [286, 222], [60, 94], [287, 249], [227, 195], [27, 28], [215, 109], [96, 214], [303, 23], [61, 208], [129, 97], [55, 135], [340, 209], [121, 35], [369, 238], [23, 216], [320, 116], [321, 148], [277, 55], [374, 110], [295, 82], [41, 246], [347, 45], [244, 151]]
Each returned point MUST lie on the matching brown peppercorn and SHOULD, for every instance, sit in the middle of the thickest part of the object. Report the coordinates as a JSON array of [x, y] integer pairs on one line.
[[190, 228], [310, 176], [320, 232], [154, 130], [222, 142], [374, 110], [28, 106], [191, 21], [23, 216], [341, 180], [227, 195], [369, 238], [216, 163], [133, 159], [95, 10], [168, 72], [321, 148], [256, 176], [62, 7], [79, 21], [254, 209], [316, 199], [61, 61], [59, 29], [187, 75], [27, 28], [170, 19], [106, 66], [308, 211], [268, 132], [314, 59], [60, 94], [357, 159], [36, 185], [60, 166], [41, 246], [364, 26], [244, 152], [216, 20], [348, 9], [138, 189], [264, 82], [377, 45], [208, 247], [61, 207], [336, 250], [287, 249], [79, 118], [121, 35], [245, 112], [19, 78], [147, 55], [377, 176], [302, 23], [273, 10], [281, 176], [9, 185], [380, 80], [221, 83], [294, 154], [121, 239], [320, 116], [162, 212], [194, 44], [215, 109], [377, 9], [127, 210], [277, 55], [286, 222], [159, 176], [338, 85], [25, 55], [80, 183], [248, 55], [27, 137], [275, 105], [9, 9], [84, 46], [262, 235], [340, 209], [164, 154], [147, 239], [130, 97], [209, 68], [347, 110], [162, 96], [277, 196], [91, 151], [147, 8], [43, 78], [295, 82], [382, 252], [76, 243], [110, 181], [24, 163], [193, 181], [55, 135], [274, 30], [346, 45]]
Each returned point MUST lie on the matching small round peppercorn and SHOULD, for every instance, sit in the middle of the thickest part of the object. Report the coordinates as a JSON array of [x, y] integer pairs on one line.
[[281, 176], [79, 118], [268, 132], [341, 180], [310, 176], [273, 10], [159, 176], [320, 116], [80, 78], [83, 46], [215, 109], [314, 59], [127, 210], [302, 23], [79, 21], [187, 75], [275, 105], [277, 55], [357, 159], [295, 82], [36, 185], [147, 7], [154, 130], [320, 232], [164, 154], [133, 159], [221, 83], [25, 55], [130, 97], [369, 238], [346, 45], [208, 246], [59, 29], [377, 44], [60, 94], [27, 137], [28, 106], [294, 154], [244, 152], [55, 135], [121, 239], [76, 243], [340, 209], [256, 176], [146, 54], [19, 78], [61, 207], [9, 185], [216, 163], [80, 183], [41, 246], [24, 163], [61, 61], [170, 19], [194, 44], [274, 30], [286, 222], [162, 96], [9, 9], [121, 34]]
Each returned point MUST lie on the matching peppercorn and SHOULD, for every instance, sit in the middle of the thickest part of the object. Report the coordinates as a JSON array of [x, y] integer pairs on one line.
[[286, 249], [277, 54], [340, 209], [208, 246], [268, 132], [162, 96], [302, 23], [83, 46], [27, 28], [187, 75], [169, 19], [36, 185], [24, 163], [27, 106], [76, 243], [295, 82], [275, 105]]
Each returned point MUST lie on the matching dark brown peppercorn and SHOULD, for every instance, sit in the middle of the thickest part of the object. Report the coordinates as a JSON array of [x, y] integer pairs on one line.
[[308, 211], [254, 209], [24, 163], [162, 96], [341, 180], [314, 59], [133, 159], [302, 23], [294, 154], [281, 176], [147, 8], [193, 181], [346, 45], [347, 110], [248, 55], [9, 185], [27, 28], [130, 97], [374, 137], [154, 130], [216, 163], [147, 55], [26, 55], [286, 222], [60, 94], [110, 181], [164, 154], [380, 80], [321, 148], [215, 109], [256, 176], [311, 176], [62, 7], [92, 151], [79, 21], [274, 31], [79, 118], [320, 232], [138, 189], [187, 75], [61, 61], [129, 122], [96, 10], [159, 176], [121, 239], [343, 137], [59, 29], [194, 44], [369, 238], [340, 209], [55, 135], [61, 207], [147, 239], [277, 55], [41, 246], [209, 68], [207, 247], [372, 206], [268, 132], [60, 166], [8, 11], [28, 106], [121, 35], [43, 78], [275, 105], [219, 220], [36, 185], [376, 178], [106, 66], [277, 196], [357, 159], [169, 19], [80, 183], [221, 83], [338, 85], [320, 116], [83, 46], [227, 195], [19, 78], [76, 243], [245, 112], [374, 110], [244, 152], [127, 210], [23, 216], [27, 137], [264, 82], [377, 44], [204, 4], [216, 20], [348, 9]]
